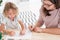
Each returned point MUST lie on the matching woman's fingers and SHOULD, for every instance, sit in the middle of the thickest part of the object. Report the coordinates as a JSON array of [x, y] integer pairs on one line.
[[37, 29], [30, 28]]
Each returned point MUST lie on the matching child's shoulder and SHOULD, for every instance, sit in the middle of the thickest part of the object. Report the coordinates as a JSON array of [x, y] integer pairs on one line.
[[1, 16], [2, 19]]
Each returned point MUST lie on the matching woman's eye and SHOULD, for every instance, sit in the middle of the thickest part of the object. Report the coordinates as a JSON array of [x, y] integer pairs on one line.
[[49, 5]]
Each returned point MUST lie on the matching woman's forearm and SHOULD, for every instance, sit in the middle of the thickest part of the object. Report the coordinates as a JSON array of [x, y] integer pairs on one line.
[[52, 31], [38, 24]]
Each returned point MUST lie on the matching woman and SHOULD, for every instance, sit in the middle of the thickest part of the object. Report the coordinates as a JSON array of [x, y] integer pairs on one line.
[[50, 15]]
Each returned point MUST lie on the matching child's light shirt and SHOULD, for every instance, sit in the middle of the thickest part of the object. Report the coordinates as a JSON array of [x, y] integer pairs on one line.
[[9, 24]]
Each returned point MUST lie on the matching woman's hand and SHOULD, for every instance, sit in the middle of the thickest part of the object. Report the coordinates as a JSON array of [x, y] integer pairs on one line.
[[23, 32], [11, 33], [38, 29], [30, 28]]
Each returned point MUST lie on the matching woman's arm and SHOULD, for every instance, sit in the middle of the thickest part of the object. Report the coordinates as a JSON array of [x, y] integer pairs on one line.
[[40, 21], [48, 30], [52, 31]]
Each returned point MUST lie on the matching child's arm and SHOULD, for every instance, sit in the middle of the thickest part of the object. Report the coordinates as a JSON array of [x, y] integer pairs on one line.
[[22, 26], [11, 33], [2, 29]]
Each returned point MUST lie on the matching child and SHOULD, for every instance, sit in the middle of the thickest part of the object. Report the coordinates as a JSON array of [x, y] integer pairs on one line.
[[11, 20]]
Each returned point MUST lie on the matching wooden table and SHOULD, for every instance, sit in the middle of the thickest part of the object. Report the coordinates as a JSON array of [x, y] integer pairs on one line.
[[44, 36]]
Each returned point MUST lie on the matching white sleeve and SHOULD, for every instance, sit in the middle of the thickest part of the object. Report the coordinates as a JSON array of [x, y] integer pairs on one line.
[[0, 18], [3, 21]]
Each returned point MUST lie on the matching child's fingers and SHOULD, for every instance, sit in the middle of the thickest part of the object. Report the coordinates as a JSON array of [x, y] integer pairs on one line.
[[22, 32], [11, 33]]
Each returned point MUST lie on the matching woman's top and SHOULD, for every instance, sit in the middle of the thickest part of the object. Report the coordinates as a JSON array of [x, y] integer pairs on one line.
[[52, 21]]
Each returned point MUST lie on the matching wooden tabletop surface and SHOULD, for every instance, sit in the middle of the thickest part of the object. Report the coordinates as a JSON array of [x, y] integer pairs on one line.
[[45, 36]]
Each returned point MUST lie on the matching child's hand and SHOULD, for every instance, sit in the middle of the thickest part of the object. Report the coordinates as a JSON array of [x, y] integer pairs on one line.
[[23, 32], [2, 27], [11, 33], [30, 28]]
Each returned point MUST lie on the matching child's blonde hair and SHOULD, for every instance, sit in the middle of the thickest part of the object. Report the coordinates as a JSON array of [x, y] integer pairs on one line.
[[8, 6]]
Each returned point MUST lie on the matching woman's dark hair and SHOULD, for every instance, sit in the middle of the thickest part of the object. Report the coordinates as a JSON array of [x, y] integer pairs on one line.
[[57, 5]]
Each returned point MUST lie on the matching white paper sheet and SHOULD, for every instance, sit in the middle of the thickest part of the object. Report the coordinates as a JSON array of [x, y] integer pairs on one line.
[[27, 35]]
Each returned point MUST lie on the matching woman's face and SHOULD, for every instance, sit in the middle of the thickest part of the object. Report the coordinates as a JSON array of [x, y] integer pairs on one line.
[[48, 5]]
